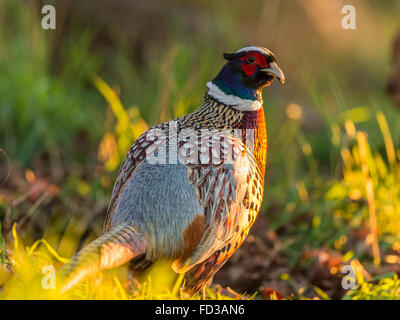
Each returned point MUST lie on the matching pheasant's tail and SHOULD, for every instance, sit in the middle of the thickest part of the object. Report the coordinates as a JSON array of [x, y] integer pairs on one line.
[[112, 249]]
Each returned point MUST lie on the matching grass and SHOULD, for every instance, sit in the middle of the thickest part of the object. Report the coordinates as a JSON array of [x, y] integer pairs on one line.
[[365, 197]]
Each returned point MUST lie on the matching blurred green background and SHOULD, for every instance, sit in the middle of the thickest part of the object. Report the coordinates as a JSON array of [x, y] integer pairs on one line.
[[63, 133]]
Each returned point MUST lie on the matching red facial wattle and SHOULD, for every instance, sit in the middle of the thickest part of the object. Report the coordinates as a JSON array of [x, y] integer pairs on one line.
[[249, 66]]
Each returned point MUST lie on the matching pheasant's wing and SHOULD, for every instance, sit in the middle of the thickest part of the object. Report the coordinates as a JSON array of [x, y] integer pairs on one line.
[[226, 187], [147, 143]]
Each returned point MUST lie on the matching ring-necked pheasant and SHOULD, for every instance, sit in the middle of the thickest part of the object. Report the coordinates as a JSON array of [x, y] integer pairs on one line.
[[190, 189]]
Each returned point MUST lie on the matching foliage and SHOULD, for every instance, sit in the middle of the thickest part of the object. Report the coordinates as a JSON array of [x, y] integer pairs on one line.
[[39, 111], [36, 267], [332, 185], [385, 287]]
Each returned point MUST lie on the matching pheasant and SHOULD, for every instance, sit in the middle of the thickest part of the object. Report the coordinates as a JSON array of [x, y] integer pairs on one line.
[[190, 189]]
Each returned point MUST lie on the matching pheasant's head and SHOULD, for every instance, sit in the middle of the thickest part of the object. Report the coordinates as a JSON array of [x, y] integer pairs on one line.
[[242, 78]]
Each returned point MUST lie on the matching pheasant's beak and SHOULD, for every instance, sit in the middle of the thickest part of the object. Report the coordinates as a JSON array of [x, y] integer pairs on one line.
[[274, 71]]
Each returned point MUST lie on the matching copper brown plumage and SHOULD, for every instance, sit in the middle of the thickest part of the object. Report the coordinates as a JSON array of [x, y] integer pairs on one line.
[[190, 189]]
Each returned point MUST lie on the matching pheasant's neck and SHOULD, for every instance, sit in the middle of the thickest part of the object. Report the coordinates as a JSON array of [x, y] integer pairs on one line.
[[228, 88]]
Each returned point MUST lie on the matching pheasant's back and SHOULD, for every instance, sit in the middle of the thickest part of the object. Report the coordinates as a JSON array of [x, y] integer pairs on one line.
[[205, 166]]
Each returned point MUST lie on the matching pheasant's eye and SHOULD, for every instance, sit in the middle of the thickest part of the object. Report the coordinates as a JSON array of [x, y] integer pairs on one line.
[[251, 59]]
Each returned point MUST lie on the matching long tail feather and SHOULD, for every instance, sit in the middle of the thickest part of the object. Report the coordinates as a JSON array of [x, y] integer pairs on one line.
[[112, 249]]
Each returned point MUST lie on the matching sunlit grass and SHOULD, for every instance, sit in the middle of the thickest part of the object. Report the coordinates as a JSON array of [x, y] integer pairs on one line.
[[34, 276]]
